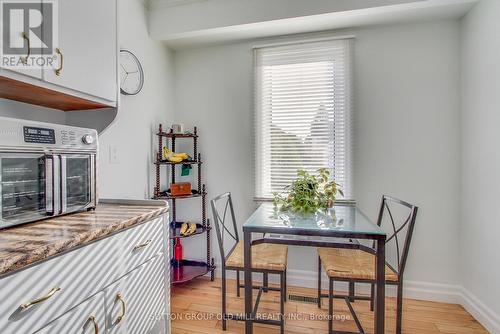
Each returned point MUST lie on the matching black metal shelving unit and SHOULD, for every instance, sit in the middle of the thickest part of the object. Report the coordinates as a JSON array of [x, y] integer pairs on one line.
[[186, 270]]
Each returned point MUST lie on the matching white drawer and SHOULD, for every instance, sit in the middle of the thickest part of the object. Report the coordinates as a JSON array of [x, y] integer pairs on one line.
[[79, 274], [141, 301], [142, 243], [86, 318]]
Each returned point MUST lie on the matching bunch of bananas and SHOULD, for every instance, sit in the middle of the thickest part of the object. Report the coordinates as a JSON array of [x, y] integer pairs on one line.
[[174, 157], [188, 228]]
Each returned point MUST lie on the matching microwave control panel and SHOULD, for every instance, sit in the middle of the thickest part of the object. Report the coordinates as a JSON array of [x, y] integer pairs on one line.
[[16, 134], [68, 137], [48, 136], [39, 135]]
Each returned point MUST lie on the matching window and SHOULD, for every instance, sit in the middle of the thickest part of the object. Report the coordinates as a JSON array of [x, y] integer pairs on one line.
[[302, 113]]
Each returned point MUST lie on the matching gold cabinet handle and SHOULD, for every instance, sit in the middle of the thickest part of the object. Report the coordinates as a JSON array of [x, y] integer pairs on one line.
[[119, 298], [41, 299], [143, 245], [25, 59], [93, 320], [59, 70]]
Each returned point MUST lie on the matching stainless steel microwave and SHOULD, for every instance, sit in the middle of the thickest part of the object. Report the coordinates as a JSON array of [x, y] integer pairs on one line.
[[45, 170]]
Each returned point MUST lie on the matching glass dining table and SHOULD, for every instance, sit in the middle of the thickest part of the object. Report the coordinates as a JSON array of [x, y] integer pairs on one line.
[[333, 228]]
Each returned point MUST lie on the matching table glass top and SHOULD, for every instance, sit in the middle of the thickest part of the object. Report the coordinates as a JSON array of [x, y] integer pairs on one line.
[[341, 219]]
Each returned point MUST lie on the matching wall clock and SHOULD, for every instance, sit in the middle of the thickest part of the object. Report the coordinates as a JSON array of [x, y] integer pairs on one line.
[[131, 73]]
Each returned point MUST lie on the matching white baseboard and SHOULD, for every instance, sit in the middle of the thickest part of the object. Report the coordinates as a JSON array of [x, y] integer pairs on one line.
[[480, 311], [445, 293]]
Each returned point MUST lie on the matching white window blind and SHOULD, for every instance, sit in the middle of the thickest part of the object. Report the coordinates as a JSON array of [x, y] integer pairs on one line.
[[302, 113]]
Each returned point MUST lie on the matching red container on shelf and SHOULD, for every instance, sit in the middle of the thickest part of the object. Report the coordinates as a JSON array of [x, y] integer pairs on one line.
[[178, 250], [180, 189]]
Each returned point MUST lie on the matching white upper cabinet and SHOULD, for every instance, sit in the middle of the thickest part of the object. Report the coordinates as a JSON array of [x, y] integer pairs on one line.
[[87, 48], [78, 41], [20, 40]]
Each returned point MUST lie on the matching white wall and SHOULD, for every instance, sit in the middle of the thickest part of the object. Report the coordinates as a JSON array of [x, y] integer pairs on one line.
[[213, 91], [406, 130], [14, 109], [131, 131], [480, 227]]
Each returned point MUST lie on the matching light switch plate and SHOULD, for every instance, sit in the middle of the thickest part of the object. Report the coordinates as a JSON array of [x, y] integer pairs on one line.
[[113, 155]]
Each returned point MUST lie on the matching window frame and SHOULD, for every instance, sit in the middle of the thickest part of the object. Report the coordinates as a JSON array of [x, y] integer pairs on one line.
[[260, 142]]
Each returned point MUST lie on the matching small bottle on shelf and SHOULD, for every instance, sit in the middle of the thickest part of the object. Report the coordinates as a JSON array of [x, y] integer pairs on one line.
[[178, 251]]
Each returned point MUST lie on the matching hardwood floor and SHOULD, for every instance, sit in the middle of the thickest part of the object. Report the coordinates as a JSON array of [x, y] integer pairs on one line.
[[196, 307]]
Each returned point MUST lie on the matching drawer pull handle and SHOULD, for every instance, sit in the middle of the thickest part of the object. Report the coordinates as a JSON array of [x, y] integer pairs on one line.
[[59, 70], [93, 320], [143, 245], [25, 59], [41, 299], [119, 298]]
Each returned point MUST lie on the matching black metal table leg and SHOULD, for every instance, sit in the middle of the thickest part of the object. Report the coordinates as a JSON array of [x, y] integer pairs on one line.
[[380, 288], [247, 239], [319, 282]]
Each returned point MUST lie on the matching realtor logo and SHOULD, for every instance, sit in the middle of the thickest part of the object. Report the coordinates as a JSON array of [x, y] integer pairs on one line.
[[28, 34]]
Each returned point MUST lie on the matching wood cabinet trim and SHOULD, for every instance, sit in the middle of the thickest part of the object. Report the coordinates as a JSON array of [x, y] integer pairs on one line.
[[28, 93]]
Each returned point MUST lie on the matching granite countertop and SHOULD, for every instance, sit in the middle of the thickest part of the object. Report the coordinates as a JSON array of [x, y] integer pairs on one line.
[[27, 244]]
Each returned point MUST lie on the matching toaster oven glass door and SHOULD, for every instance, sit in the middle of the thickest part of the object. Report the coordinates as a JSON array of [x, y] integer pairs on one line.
[[25, 187], [77, 177]]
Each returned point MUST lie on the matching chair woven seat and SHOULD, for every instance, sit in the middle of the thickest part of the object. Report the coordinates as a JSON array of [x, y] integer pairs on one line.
[[343, 263], [264, 257], [268, 259]]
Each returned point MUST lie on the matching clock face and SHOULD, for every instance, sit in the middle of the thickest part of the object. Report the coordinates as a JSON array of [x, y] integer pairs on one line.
[[131, 73]]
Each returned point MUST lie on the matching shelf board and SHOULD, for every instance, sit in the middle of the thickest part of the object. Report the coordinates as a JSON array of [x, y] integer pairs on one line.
[[166, 162], [169, 197], [175, 230], [177, 135], [187, 270]]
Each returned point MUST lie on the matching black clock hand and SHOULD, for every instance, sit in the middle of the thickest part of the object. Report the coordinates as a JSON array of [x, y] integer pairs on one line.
[[126, 76], [124, 69]]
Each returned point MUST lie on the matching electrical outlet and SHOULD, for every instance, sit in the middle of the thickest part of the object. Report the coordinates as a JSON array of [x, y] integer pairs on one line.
[[113, 155]]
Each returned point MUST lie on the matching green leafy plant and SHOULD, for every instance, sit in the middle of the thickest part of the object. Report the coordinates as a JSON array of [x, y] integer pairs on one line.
[[308, 193]]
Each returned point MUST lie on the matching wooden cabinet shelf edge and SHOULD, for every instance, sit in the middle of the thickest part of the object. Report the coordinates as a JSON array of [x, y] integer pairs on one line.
[[22, 91]]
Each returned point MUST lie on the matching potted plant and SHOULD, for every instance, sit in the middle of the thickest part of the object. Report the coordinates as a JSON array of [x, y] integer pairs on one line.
[[308, 193]]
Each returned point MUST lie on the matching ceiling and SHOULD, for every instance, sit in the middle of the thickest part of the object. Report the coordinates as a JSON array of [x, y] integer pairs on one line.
[[171, 3], [208, 22]]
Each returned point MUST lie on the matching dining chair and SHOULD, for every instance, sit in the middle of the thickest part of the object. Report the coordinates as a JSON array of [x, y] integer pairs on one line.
[[266, 259], [358, 265]]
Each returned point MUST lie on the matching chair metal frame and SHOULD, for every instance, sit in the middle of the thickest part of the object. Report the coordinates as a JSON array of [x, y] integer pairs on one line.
[[221, 228], [401, 259]]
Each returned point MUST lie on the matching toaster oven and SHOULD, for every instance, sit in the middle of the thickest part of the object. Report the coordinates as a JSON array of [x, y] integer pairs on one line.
[[46, 170]]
